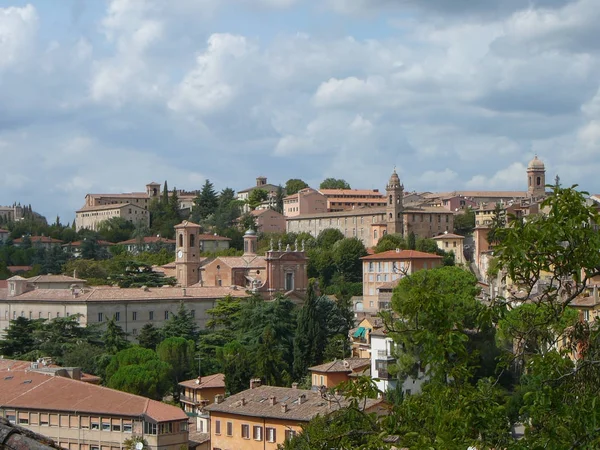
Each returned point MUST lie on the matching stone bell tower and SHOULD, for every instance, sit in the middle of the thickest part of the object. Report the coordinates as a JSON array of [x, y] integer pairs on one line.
[[394, 206], [536, 178], [187, 253]]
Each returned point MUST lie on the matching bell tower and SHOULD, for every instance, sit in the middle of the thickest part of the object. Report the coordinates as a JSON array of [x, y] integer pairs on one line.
[[187, 253], [536, 178], [394, 207]]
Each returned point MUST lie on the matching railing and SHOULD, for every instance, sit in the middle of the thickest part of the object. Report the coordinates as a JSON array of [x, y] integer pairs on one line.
[[186, 399]]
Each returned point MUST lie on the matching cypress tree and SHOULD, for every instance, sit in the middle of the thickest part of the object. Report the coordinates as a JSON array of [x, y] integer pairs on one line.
[[310, 336]]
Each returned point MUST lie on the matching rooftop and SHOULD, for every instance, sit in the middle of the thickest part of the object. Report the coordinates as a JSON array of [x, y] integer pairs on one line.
[[39, 239], [300, 405], [342, 365], [216, 380], [400, 255], [449, 236], [148, 240], [350, 192], [106, 207]]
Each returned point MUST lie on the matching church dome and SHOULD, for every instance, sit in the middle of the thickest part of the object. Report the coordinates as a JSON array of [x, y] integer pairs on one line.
[[394, 180], [536, 164], [250, 232]]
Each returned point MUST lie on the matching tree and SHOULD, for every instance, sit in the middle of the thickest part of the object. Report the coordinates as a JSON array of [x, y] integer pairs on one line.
[[346, 257], [256, 197], [114, 338], [116, 229], [236, 361], [84, 355], [328, 237], [308, 344], [178, 353], [19, 337], [131, 443], [293, 185], [334, 183], [498, 223], [225, 313], [205, 203], [248, 222], [149, 336], [279, 196], [390, 242], [411, 241], [270, 366], [181, 324], [464, 223]]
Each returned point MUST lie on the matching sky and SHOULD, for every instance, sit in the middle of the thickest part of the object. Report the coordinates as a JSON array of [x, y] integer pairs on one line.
[[105, 96]]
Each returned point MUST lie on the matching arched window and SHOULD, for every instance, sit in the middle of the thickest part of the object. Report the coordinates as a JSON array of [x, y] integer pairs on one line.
[[192, 240], [399, 215], [530, 183], [539, 180], [391, 217], [391, 201], [181, 240]]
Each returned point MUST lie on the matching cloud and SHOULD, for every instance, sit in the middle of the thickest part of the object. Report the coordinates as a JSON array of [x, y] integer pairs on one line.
[[18, 27]]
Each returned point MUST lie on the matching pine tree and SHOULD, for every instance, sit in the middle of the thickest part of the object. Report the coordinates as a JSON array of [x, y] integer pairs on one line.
[[309, 341], [173, 210], [165, 195], [181, 324], [412, 241], [114, 338], [149, 336], [205, 203], [279, 195]]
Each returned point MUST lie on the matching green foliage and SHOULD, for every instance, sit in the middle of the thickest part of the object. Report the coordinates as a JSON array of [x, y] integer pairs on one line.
[[130, 443], [293, 185], [19, 337], [464, 223], [181, 324], [138, 275], [256, 197], [390, 242], [236, 361], [116, 229], [86, 356], [346, 257], [114, 338], [225, 313], [178, 353], [310, 336], [498, 224], [279, 196], [248, 221], [205, 204], [149, 336], [328, 237], [334, 183]]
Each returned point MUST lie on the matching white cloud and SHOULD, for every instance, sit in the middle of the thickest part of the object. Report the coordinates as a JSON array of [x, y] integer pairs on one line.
[[349, 91], [18, 28], [509, 177]]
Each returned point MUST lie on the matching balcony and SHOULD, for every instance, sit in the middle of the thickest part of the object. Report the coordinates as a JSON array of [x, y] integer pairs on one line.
[[384, 354], [189, 400], [382, 367]]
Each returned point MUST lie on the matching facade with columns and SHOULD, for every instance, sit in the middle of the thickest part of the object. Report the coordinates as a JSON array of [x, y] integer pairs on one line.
[[370, 224]]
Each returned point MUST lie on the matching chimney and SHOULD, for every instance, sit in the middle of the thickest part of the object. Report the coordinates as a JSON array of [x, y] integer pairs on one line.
[[272, 400], [284, 408], [294, 385], [199, 380], [255, 383], [219, 399], [302, 399], [243, 401]]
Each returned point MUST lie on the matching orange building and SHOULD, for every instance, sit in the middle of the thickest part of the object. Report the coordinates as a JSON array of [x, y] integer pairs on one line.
[[263, 417], [201, 391], [269, 221], [332, 373]]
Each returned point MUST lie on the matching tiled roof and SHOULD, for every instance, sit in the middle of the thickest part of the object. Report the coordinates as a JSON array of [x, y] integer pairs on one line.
[[350, 192], [39, 239], [388, 285], [216, 380], [123, 195], [3, 284], [498, 194], [256, 403], [54, 279], [585, 302], [15, 269], [105, 207], [342, 365], [2, 230], [212, 237], [109, 293], [449, 236], [399, 255], [31, 390], [244, 262], [426, 209], [100, 242], [260, 212], [149, 240]]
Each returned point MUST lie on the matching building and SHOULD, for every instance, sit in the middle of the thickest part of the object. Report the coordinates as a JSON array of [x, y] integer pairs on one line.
[[382, 357], [369, 224], [263, 417], [332, 373], [148, 244], [361, 336], [131, 308], [140, 199], [305, 201], [90, 217], [84, 416], [457, 202], [450, 242], [4, 235], [74, 248], [12, 213], [261, 183], [269, 221], [472, 198], [391, 266], [198, 393], [345, 199], [44, 242]]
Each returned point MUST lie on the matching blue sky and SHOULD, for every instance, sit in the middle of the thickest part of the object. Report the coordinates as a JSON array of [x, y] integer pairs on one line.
[[107, 95]]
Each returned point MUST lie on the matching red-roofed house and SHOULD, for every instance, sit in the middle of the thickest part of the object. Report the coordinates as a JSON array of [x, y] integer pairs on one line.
[[380, 269], [332, 373], [39, 241]]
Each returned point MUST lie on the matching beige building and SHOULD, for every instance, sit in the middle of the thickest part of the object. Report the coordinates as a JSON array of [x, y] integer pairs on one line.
[[148, 244], [370, 224], [332, 373], [90, 217], [450, 242], [12, 213], [382, 268], [345, 199], [269, 221], [84, 416], [261, 183], [263, 417], [305, 201]]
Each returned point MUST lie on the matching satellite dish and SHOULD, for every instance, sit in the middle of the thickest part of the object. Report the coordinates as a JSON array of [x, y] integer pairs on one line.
[[139, 446]]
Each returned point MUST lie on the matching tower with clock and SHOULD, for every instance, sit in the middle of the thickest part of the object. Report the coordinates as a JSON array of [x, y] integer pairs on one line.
[[187, 253]]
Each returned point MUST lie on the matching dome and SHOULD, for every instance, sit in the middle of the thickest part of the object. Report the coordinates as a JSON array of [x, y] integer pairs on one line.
[[536, 164], [394, 179], [250, 232]]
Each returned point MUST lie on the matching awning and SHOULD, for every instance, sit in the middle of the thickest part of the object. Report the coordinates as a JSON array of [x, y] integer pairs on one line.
[[359, 333]]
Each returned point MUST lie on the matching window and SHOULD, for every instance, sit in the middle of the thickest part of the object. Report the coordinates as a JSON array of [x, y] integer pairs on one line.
[[181, 240], [134, 331], [149, 428], [166, 315], [446, 244], [127, 426], [151, 315], [166, 428], [116, 424], [11, 416], [134, 315], [289, 281], [229, 428], [271, 434], [217, 427], [44, 420], [105, 424], [257, 433], [371, 266], [246, 431], [117, 316], [289, 434], [192, 240], [193, 312], [100, 317]]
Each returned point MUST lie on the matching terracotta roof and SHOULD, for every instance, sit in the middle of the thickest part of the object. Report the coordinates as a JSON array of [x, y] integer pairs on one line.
[[2, 230], [122, 195], [3, 284], [212, 237], [149, 240], [216, 380], [260, 212], [350, 192], [78, 243], [426, 209], [402, 254], [104, 207], [109, 293], [243, 262], [256, 403], [31, 390], [491, 194], [585, 302], [449, 236], [40, 239], [388, 285], [54, 279], [342, 365], [15, 269]]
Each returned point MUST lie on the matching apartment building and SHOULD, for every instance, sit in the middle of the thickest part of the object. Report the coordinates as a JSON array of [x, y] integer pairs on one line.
[[450, 242], [263, 417], [380, 269], [269, 221], [90, 217], [305, 201], [332, 373], [261, 183], [84, 416], [345, 199]]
